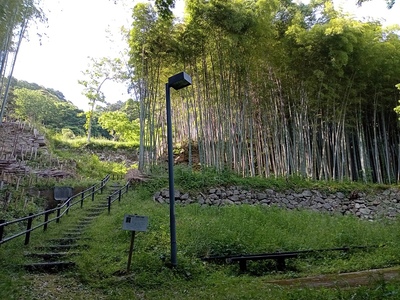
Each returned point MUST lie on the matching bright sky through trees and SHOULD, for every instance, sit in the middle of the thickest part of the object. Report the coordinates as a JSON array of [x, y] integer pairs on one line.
[[77, 30]]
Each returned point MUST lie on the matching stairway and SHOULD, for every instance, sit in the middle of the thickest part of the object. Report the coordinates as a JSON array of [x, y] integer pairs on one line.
[[57, 255]]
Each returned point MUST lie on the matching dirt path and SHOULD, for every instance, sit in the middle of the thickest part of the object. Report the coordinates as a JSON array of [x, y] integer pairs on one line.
[[342, 280]]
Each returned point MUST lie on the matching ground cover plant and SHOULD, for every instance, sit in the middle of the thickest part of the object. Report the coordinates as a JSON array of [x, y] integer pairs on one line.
[[202, 231], [244, 229]]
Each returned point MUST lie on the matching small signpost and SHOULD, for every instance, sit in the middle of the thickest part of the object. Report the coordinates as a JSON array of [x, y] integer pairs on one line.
[[134, 223]]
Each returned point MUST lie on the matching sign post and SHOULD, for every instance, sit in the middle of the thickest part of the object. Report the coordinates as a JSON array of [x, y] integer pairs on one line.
[[134, 223]]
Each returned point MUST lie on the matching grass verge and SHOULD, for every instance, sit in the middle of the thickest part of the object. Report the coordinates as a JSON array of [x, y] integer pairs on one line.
[[101, 269]]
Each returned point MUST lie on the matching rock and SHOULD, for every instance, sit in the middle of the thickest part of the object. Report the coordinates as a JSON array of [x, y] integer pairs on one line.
[[327, 206], [261, 196], [368, 208], [365, 211], [228, 202], [340, 195], [270, 192], [213, 197], [234, 198]]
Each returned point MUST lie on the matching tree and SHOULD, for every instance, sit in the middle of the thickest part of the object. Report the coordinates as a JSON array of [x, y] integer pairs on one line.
[[389, 3], [14, 18], [97, 74], [34, 106], [42, 106], [119, 126], [397, 108], [164, 8], [279, 88]]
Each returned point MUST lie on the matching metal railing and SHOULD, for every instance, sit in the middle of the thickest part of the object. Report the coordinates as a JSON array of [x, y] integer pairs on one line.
[[117, 195], [61, 211]]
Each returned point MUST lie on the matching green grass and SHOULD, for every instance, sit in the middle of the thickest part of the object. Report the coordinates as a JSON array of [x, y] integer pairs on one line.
[[95, 143], [101, 269], [189, 180], [219, 230], [237, 229], [212, 230]]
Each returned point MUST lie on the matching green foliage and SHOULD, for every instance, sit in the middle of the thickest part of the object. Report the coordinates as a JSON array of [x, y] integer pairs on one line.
[[40, 106], [397, 108], [33, 105], [280, 88], [95, 144], [67, 133], [191, 180], [164, 8], [118, 125], [101, 267], [99, 71], [96, 129]]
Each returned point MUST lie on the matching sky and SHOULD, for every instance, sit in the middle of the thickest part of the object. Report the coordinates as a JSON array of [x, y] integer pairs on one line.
[[77, 30]]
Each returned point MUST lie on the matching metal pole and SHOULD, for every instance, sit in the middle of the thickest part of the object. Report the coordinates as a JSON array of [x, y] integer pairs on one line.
[[93, 193], [130, 251], [46, 219], [1, 229], [171, 179], [28, 229], [82, 198]]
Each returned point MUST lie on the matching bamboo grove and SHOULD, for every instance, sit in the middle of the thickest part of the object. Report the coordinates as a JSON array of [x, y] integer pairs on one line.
[[279, 89], [14, 18]]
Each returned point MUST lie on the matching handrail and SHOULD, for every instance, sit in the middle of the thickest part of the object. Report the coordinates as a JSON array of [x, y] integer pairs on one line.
[[66, 206], [117, 195]]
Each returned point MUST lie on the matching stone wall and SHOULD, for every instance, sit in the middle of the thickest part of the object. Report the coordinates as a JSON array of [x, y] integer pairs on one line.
[[367, 206]]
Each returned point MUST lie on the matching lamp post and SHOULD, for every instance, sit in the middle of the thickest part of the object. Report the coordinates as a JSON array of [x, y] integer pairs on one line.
[[177, 81]]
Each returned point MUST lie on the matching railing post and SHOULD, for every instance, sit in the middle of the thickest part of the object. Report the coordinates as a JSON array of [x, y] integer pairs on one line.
[[58, 215], [28, 229], [46, 219], [93, 188], [102, 186], [119, 195], [82, 197], [68, 200], [109, 204], [1, 229], [127, 187]]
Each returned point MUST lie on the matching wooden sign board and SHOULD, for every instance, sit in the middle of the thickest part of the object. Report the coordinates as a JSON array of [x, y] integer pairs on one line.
[[135, 223]]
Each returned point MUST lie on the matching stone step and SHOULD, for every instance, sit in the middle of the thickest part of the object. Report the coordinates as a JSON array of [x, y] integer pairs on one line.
[[50, 256], [85, 222], [81, 227], [73, 231], [63, 241], [98, 209], [89, 218], [95, 214], [50, 267], [99, 205], [72, 234], [61, 247]]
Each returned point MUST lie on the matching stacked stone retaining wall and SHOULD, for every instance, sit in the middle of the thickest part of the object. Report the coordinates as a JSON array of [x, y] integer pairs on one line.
[[366, 206]]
